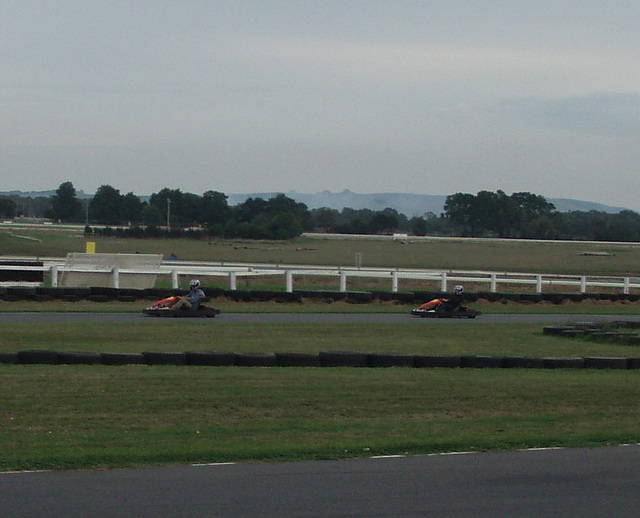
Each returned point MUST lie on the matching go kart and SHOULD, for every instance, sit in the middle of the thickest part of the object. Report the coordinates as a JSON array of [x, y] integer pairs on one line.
[[437, 308], [164, 308]]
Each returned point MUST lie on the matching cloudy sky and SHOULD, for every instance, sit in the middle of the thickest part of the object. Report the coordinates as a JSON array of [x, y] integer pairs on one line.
[[427, 97]]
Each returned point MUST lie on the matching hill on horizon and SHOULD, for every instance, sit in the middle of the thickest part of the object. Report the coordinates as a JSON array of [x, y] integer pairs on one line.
[[405, 203]]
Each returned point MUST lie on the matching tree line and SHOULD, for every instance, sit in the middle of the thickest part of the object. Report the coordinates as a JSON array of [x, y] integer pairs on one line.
[[173, 213]]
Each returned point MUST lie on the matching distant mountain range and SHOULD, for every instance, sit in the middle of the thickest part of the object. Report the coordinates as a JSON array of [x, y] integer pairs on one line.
[[407, 204]]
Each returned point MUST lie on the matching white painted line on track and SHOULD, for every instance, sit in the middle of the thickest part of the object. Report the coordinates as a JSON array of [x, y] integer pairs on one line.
[[444, 454], [206, 464], [388, 457]]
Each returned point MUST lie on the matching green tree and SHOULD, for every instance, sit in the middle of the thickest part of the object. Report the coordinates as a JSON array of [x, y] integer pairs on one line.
[[418, 226], [152, 216], [131, 208], [7, 207], [384, 221], [215, 208], [324, 219], [65, 205], [106, 206], [459, 209]]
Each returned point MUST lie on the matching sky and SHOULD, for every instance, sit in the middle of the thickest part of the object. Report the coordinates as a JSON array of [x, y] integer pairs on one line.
[[424, 97]]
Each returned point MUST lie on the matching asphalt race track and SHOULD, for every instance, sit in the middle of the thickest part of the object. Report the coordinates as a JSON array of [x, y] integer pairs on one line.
[[305, 318], [565, 482], [557, 482]]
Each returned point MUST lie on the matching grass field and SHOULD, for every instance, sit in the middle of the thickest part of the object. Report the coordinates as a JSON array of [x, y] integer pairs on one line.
[[533, 257], [88, 417], [95, 416], [71, 417]]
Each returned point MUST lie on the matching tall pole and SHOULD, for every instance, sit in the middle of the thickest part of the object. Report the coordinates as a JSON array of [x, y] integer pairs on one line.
[[168, 215]]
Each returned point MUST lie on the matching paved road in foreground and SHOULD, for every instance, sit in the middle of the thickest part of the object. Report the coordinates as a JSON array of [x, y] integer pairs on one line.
[[307, 318], [569, 482]]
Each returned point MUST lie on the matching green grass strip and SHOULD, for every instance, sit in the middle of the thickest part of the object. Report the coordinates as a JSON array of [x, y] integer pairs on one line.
[[88, 417]]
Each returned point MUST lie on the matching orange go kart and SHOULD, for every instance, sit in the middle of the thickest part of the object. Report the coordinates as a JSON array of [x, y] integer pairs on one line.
[[438, 308], [164, 308]]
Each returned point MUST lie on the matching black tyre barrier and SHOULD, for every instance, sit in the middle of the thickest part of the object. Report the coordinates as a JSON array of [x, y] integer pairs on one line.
[[164, 358], [22, 292], [54, 293], [11, 297], [399, 296], [75, 294], [389, 360], [255, 359], [572, 333], [599, 331], [557, 330], [210, 358], [563, 363], [127, 298], [323, 359], [8, 357], [321, 295], [490, 296], [523, 362], [633, 363], [482, 362], [606, 363], [428, 361], [287, 297], [98, 298], [45, 357], [79, 358], [80, 293], [530, 297], [298, 360], [343, 359], [122, 359], [359, 297], [630, 324]]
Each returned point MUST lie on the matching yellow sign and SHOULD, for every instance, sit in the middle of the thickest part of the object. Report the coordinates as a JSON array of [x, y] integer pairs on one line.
[[91, 247]]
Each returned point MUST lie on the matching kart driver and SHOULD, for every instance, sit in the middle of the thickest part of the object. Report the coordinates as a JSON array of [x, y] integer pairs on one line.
[[192, 299], [451, 304]]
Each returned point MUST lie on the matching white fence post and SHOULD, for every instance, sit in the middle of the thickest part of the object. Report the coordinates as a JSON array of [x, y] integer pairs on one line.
[[233, 281], [115, 278], [175, 281], [494, 283], [343, 281], [538, 283], [394, 282], [54, 276], [443, 283], [583, 284], [626, 286], [289, 280]]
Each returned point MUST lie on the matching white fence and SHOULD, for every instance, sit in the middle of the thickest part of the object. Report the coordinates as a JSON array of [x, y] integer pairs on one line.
[[442, 280]]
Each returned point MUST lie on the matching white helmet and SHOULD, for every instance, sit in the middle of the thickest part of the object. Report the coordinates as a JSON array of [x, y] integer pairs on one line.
[[458, 290], [194, 284]]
